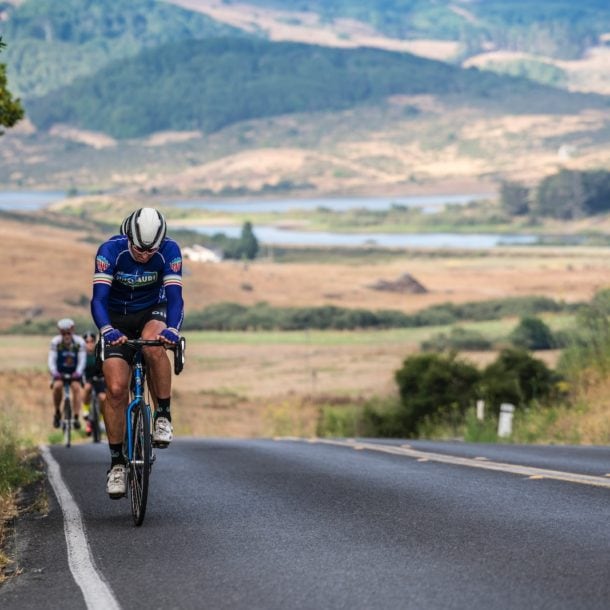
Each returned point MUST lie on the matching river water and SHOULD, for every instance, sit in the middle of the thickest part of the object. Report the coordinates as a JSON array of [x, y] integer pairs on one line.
[[28, 201], [272, 235], [429, 203]]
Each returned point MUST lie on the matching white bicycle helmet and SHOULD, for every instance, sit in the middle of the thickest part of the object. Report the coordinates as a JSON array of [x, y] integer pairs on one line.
[[65, 324], [145, 228]]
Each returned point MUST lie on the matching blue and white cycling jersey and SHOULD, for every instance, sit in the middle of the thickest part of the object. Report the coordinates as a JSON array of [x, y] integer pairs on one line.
[[122, 285], [67, 359]]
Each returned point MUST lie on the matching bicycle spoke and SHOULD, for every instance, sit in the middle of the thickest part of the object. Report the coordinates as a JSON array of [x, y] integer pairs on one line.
[[94, 419], [140, 463], [67, 423]]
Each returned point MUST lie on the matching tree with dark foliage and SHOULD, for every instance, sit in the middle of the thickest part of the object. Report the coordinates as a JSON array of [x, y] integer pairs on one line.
[[11, 110]]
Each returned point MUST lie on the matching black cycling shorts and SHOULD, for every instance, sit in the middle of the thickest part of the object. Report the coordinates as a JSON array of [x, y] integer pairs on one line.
[[98, 384], [131, 325]]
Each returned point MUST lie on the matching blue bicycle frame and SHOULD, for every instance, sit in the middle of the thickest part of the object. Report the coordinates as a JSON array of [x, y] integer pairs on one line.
[[138, 392]]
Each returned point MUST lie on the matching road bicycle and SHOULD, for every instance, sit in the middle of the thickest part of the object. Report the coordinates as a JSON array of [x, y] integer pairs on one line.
[[137, 446], [66, 414], [95, 414]]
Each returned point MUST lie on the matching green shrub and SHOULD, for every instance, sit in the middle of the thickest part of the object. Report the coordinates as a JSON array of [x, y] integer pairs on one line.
[[445, 423], [262, 316], [571, 194], [458, 339], [532, 334], [382, 419], [428, 383], [514, 198], [518, 378], [342, 421], [48, 327], [477, 431], [588, 343]]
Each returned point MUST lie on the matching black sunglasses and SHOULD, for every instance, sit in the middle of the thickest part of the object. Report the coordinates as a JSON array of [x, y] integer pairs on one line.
[[143, 250]]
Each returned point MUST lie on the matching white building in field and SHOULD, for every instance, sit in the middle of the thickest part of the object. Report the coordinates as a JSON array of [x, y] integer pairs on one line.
[[201, 254]]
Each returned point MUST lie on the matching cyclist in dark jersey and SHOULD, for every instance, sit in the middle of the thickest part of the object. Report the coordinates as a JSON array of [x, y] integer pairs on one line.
[[94, 379], [137, 292], [66, 357]]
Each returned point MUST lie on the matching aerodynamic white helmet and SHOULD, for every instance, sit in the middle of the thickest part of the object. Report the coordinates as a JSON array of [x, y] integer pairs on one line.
[[145, 228], [65, 324]]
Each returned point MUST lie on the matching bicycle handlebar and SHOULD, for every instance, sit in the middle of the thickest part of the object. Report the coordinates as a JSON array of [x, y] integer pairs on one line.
[[178, 349], [151, 343], [68, 379]]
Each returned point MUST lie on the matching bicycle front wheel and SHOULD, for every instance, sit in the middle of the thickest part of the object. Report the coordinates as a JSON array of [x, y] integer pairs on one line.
[[139, 466], [94, 419], [67, 422]]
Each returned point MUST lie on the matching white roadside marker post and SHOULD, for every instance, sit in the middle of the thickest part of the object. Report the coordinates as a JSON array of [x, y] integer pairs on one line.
[[505, 423]]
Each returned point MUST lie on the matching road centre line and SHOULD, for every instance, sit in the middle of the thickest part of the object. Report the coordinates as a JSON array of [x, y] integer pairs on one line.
[[96, 591], [423, 456]]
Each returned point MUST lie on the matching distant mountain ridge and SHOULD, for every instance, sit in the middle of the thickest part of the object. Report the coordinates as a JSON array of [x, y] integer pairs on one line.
[[51, 42], [209, 84]]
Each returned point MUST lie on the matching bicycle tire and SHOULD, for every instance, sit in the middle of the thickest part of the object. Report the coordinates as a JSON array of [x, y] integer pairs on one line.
[[67, 423], [94, 419], [140, 463]]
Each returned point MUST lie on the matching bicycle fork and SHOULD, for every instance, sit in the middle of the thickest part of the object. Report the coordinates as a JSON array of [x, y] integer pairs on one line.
[[137, 400], [129, 432]]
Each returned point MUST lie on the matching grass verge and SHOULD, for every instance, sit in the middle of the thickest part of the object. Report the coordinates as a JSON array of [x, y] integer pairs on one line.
[[18, 468]]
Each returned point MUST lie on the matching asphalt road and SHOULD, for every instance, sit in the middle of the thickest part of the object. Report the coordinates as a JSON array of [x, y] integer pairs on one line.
[[266, 524]]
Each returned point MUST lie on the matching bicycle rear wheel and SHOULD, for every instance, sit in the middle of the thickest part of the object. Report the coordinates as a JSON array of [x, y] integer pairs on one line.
[[140, 464], [67, 422]]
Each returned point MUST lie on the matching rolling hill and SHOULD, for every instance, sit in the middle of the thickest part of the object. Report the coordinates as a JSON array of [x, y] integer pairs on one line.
[[215, 97], [207, 85]]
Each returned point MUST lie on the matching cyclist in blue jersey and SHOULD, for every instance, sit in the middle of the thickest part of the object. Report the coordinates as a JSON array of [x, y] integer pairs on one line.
[[67, 356], [137, 293]]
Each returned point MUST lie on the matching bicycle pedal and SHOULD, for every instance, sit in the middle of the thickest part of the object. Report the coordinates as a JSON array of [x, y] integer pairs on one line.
[[160, 445]]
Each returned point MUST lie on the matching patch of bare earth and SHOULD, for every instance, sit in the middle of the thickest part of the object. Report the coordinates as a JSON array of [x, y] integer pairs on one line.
[[588, 75], [307, 27], [252, 168], [162, 138], [94, 139]]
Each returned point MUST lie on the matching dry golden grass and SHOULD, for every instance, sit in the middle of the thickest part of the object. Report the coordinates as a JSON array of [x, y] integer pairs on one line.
[[589, 74], [8, 511], [47, 270], [225, 390], [261, 389]]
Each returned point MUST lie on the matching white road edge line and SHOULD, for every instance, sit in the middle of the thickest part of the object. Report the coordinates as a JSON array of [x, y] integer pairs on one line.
[[528, 471], [96, 591]]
